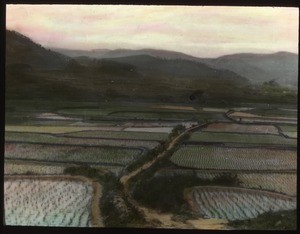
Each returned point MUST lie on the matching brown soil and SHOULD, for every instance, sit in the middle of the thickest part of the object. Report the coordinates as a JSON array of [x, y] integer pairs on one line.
[[190, 108]]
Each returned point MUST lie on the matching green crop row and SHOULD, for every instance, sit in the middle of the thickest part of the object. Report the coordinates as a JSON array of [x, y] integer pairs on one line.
[[241, 138], [208, 157], [76, 154]]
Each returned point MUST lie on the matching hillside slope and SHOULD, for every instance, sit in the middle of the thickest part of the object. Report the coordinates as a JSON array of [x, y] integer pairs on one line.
[[22, 50], [35, 73], [258, 68]]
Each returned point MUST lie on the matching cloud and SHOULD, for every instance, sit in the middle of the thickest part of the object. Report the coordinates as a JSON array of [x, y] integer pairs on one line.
[[189, 29]]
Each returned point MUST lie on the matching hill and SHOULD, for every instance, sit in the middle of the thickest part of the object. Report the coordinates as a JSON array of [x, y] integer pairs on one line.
[[258, 68], [105, 53], [281, 67], [35, 73], [21, 50]]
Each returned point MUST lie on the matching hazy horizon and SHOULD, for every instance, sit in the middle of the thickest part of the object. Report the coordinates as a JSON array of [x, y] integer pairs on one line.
[[200, 31]]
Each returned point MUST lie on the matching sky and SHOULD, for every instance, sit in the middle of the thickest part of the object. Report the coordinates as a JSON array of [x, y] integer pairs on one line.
[[201, 31]]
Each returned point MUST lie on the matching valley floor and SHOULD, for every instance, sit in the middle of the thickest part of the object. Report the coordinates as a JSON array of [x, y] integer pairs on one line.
[[172, 166]]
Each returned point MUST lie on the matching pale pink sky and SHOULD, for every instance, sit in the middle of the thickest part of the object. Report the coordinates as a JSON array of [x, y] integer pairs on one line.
[[202, 31]]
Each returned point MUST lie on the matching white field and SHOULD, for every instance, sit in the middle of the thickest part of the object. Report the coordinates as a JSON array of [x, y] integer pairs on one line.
[[47, 202], [53, 116], [236, 204]]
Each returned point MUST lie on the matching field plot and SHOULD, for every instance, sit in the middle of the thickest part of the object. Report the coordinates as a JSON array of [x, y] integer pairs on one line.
[[150, 130], [162, 115], [71, 154], [53, 116], [172, 107], [21, 168], [274, 112], [241, 138], [56, 129], [289, 130], [240, 128], [45, 138], [48, 202], [253, 118], [158, 136], [219, 110], [90, 112], [235, 203], [210, 157], [158, 123], [281, 182]]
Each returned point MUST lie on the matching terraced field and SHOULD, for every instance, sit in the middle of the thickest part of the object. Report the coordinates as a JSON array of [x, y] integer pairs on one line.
[[49, 202], [289, 130], [71, 154], [150, 130], [253, 118], [240, 128], [260, 157], [161, 115], [222, 158], [157, 136], [23, 168], [56, 129], [236, 204], [72, 140], [241, 138], [274, 112], [280, 182]]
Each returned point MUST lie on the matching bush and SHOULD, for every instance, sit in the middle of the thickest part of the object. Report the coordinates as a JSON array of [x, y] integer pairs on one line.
[[227, 179], [282, 220]]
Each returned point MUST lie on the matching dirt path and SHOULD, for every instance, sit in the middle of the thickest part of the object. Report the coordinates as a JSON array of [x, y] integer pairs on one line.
[[167, 220]]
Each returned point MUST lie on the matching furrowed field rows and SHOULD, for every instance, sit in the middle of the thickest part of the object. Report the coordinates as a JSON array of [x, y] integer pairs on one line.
[[161, 115], [21, 167], [45, 138], [269, 120], [121, 135], [285, 183], [18, 168], [240, 128], [274, 112], [39, 202], [150, 130], [259, 116], [235, 203], [241, 138], [252, 118], [282, 183], [56, 129], [72, 154], [208, 157]]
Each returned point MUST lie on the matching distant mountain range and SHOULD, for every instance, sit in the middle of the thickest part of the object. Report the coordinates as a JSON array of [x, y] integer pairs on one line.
[[35, 72], [281, 67]]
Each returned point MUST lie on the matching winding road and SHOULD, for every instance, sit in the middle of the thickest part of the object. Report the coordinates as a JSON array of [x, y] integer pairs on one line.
[[166, 220]]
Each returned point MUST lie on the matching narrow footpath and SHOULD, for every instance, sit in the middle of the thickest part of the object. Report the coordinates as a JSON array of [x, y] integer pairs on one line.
[[156, 219]]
